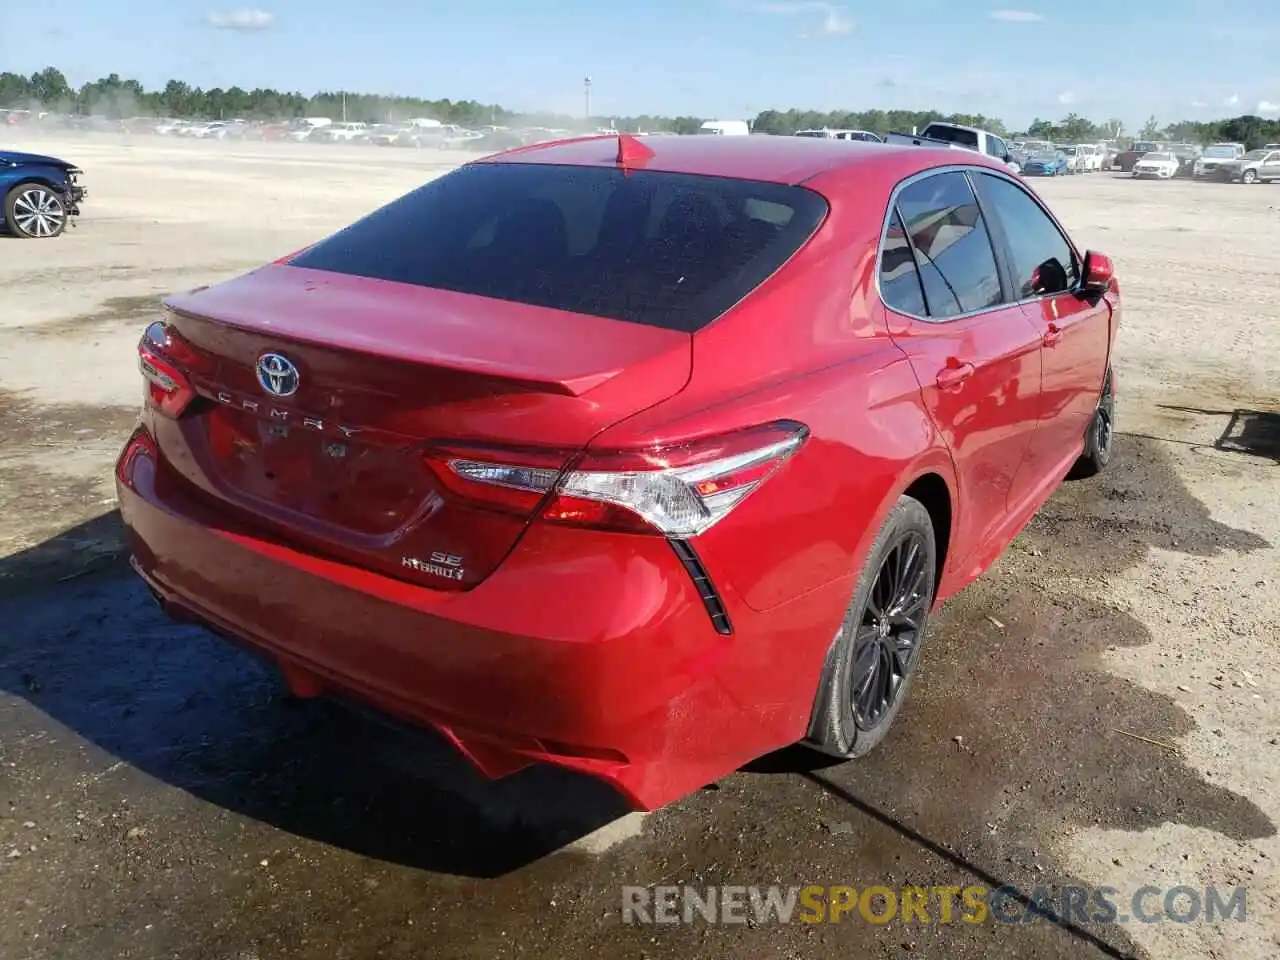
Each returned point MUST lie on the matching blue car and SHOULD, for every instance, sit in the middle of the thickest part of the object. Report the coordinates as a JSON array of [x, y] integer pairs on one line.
[[39, 195], [1046, 164]]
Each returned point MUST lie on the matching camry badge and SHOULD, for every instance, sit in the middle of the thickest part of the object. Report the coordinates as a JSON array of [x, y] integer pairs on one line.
[[277, 375]]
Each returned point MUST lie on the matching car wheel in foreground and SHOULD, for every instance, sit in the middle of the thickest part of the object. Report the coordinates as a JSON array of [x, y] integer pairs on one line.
[[873, 658], [1098, 441], [33, 211], [1249, 176]]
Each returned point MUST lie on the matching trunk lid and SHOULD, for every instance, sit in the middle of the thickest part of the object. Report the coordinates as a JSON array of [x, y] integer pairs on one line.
[[376, 374]]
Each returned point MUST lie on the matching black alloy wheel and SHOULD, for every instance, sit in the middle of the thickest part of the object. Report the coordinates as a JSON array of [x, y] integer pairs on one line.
[[872, 661], [886, 644]]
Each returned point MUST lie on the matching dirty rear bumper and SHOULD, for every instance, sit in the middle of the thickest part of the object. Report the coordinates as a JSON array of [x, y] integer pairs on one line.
[[563, 655]]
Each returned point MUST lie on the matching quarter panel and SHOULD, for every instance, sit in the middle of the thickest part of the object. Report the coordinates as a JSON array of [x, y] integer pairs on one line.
[[811, 522]]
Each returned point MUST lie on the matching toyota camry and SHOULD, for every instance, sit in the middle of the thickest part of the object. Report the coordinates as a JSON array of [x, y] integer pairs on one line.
[[640, 457]]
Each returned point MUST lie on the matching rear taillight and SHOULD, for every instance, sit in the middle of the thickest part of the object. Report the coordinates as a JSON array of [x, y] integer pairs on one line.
[[168, 389], [678, 491], [140, 444]]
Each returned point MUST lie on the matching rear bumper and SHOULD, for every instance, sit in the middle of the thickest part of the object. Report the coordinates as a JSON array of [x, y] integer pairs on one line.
[[591, 651]]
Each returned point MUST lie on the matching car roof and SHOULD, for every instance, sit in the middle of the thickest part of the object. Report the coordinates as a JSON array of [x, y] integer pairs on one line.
[[776, 159]]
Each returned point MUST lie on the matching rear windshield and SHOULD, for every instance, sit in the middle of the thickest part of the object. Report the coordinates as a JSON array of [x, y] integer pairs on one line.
[[663, 249]]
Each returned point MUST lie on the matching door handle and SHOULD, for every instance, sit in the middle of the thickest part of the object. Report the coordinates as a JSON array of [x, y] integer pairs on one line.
[[1052, 335], [954, 373]]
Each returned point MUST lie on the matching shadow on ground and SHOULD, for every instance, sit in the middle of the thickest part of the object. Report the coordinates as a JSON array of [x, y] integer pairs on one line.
[[93, 651], [1011, 739]]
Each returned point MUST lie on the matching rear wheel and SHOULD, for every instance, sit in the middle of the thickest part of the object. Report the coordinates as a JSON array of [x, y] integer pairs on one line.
[[33, 211], [1098, 441], [874, 655], [1249, 176]]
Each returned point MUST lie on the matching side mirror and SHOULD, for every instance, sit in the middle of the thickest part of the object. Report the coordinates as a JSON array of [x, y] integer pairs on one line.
[[1099, 273]]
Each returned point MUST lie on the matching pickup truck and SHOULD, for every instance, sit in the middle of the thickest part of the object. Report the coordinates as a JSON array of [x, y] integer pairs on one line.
[[957, 137]]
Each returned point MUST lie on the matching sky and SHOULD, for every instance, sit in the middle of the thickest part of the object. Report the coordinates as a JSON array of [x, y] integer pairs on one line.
[[1176, 59]]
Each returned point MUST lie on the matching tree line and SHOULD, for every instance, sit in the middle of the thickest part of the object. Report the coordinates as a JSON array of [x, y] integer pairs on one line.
[[118, 98]]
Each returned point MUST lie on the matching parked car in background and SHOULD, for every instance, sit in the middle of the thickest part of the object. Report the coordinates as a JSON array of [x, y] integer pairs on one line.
[[1073, 157], [386, 462], [1186, 154], [1046, 163], [385, 134], [1088, 158], [1158, 165], [1256, 166], [491, 141], [38, 194], [827, 133], [1135, 152], [94, 123], [212, 130], [343, 132], [303, 127], [1215, 157], [957, 137], [449, 136], [1017, 157], [140, 124]]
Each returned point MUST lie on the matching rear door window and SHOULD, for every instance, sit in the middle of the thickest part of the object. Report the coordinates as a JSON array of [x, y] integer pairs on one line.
[[952, 248], [899, 279], [663, 249]]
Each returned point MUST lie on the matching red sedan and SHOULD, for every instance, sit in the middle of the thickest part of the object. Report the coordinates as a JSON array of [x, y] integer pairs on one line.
[[643, 458]]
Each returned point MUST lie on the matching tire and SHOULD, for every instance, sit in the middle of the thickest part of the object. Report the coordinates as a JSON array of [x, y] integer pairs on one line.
[[1249, 177], [1100, 438], [905, 555], [34, 212]]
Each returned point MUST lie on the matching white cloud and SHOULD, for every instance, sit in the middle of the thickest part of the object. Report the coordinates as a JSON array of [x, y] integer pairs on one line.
[[1016, 16], [1198, 104], [835, 21], [243, 19], [1232, 100], [1067, 96], [834, 24], [1266, 106]]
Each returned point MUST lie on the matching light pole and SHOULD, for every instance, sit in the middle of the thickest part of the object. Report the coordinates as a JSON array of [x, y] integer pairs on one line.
[[586, 98]]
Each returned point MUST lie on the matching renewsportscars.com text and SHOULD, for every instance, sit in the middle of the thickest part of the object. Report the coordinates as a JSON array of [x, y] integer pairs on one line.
[[930, 905]]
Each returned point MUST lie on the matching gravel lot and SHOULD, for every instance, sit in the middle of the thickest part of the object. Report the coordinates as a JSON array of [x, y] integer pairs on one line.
[[1102, 708]]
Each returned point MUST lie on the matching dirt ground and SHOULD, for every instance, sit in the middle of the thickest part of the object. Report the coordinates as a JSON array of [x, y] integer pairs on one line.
[[1102, 708]]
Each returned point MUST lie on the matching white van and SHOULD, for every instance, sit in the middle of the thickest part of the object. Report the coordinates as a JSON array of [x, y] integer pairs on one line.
[[1089, 158], [725, 128]]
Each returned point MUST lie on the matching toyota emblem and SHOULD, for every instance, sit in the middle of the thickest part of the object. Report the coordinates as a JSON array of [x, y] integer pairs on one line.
[[277, 374]]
